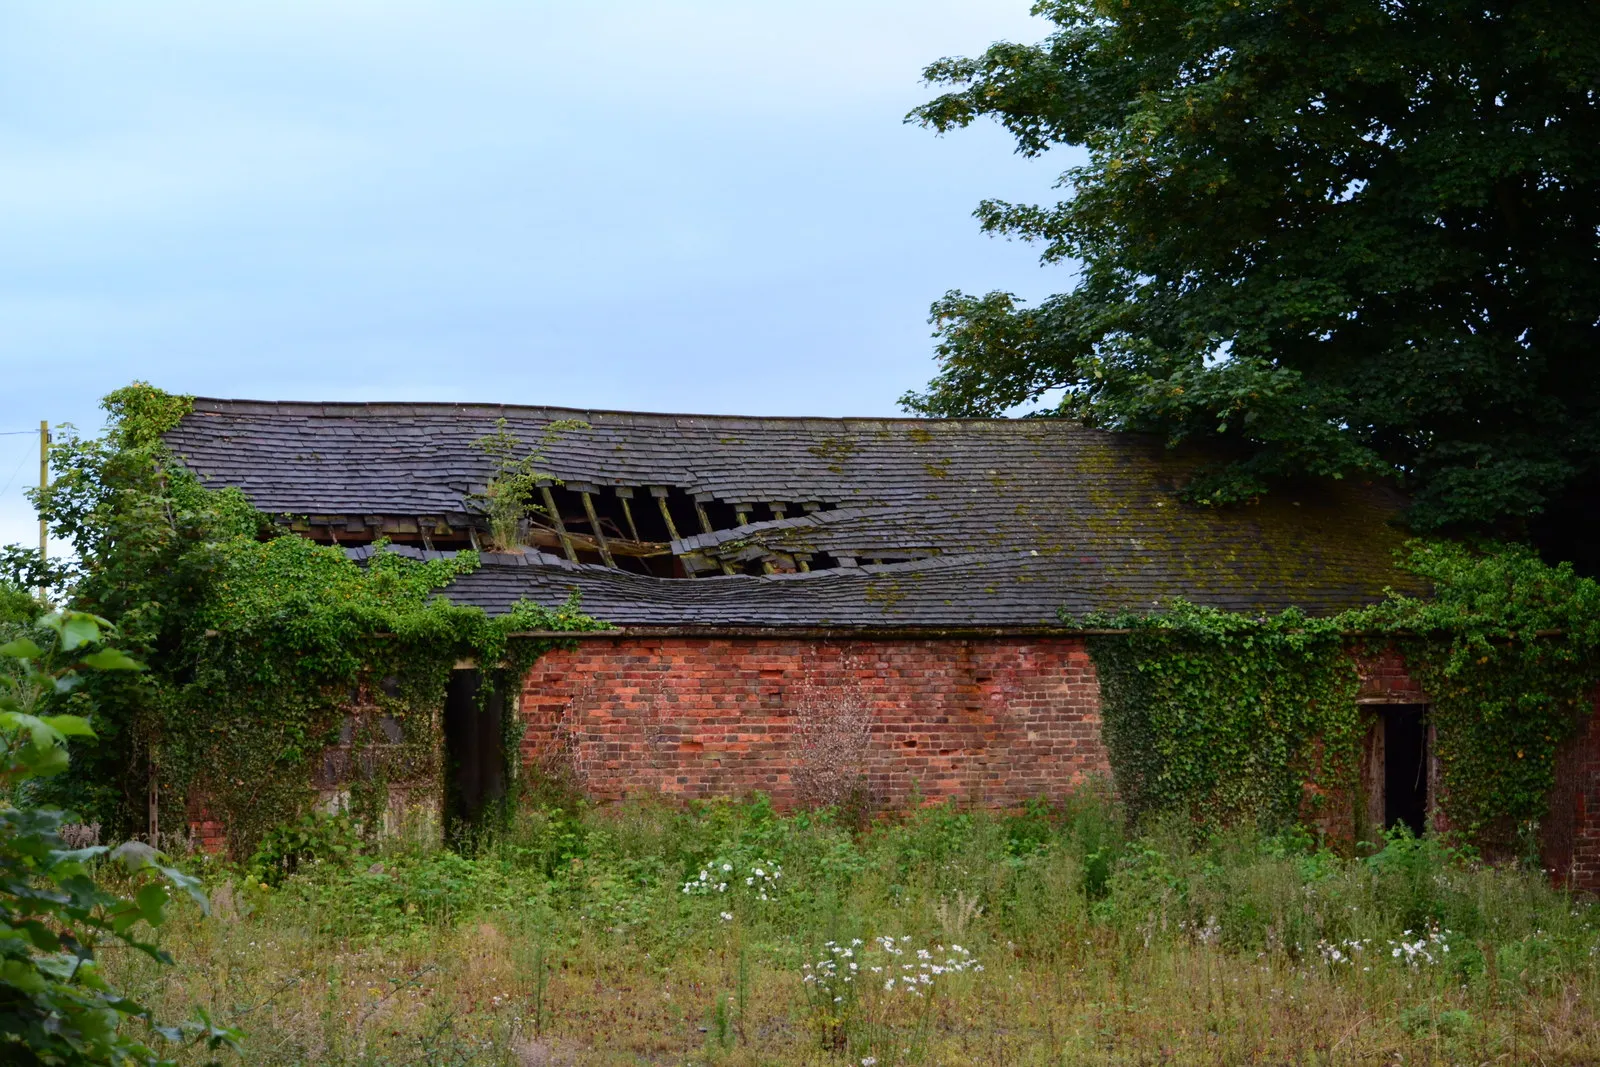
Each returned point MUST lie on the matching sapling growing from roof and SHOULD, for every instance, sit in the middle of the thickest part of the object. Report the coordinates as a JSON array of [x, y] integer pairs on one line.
[[511, 493]]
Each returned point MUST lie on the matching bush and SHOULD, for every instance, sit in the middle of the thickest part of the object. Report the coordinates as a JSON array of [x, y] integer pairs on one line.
[[55, 1006], [317, 837]]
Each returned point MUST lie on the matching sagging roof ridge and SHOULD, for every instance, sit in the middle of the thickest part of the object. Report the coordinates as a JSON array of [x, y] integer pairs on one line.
[[1021, 518], [221, 405]]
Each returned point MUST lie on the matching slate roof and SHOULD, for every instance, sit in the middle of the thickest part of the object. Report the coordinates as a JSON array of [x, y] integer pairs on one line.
[[1015, 518]]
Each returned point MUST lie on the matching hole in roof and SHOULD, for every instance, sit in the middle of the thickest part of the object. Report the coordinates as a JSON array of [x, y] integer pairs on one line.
[[630, 528]]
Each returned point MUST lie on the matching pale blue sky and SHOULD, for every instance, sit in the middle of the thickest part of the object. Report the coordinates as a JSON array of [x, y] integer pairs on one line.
[[668, 206]]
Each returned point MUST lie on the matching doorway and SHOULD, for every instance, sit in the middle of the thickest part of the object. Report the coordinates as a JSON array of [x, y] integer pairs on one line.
[[1405, 767], [474, 752]]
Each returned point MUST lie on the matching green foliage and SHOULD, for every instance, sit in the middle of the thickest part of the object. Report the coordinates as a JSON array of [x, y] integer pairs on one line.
[[55, 1005], [1426, 1019], [1338, 238], [509, 498], [316, 837], [1222, 717], [22, 573], [1508, 651], [1220, 948], [286, 632], [258, 642], [139, 523], [1216, 716], [1408, 867], [941, 876]]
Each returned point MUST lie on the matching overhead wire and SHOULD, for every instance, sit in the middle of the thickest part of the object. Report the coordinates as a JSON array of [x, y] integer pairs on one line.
[[13, 477]]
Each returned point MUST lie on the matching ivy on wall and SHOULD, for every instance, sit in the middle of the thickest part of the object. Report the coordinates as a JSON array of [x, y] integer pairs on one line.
[[1217, 716], [1508, 651], [258, 641], [1214, 715]]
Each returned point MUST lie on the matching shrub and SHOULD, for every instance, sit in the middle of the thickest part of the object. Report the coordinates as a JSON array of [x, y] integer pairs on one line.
[[316, 837], [55, 1006]]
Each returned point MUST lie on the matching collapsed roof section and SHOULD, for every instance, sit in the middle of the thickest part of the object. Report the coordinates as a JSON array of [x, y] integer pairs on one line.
[[723, 520]]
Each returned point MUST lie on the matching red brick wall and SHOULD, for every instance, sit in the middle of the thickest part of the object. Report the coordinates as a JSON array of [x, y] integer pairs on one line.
[[997, 719], [1584, 873], [207, 833], [1384, 678], [1001, 720]]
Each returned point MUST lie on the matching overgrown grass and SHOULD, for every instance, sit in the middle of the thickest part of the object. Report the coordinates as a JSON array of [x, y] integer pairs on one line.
[[590, 936]]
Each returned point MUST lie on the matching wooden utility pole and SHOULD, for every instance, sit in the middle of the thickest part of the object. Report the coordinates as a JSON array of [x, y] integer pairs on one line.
[[44, 483]]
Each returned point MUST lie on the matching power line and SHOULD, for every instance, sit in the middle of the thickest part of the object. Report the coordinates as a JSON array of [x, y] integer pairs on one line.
[[14, 474]]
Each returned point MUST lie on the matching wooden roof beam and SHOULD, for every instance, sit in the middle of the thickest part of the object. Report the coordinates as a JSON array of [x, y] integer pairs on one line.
[[594, 526], [561, 527]]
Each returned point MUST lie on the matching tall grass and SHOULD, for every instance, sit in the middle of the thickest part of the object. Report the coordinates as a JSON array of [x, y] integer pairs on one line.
[[590, 936]]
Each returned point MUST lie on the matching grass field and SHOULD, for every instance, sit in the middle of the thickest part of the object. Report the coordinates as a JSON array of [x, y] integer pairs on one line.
[[727, 934]]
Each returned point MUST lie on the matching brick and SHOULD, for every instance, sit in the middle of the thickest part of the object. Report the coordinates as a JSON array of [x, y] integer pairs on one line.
[[991, 712]]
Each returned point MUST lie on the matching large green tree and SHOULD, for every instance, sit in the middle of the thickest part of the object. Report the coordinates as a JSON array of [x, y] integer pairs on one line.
[[1333, 237]]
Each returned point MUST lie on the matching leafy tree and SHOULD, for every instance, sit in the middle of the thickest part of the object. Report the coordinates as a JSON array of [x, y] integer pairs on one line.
[[256, 640], [1332, 237], [144, 532], [17, 603], [22, 572], [55, 1006]]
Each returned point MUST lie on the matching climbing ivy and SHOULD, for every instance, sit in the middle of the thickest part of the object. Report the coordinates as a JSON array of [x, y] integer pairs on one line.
[[1219, 716], [1508, 651], [1213, 714], [259, 642]]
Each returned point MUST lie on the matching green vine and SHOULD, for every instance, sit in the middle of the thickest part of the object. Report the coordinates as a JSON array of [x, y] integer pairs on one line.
[[1213, 715], [260, 643], [1508, 651], [1218, 716]]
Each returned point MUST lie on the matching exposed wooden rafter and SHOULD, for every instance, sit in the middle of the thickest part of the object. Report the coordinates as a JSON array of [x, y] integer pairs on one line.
[[555, 518]]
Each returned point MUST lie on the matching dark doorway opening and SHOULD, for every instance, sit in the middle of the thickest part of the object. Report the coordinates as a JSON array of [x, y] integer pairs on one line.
[[474, 752], [1405, 767]]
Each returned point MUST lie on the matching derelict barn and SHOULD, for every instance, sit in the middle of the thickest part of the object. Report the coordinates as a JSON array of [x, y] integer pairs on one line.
[[805, 603]]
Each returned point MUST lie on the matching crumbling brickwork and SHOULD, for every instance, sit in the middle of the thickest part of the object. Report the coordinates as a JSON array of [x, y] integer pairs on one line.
[[1000, 720], [206, 831], [1385, 679], [1584, 872]]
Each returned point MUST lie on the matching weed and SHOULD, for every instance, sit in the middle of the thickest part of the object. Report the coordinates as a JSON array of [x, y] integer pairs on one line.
[[570, 938]]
